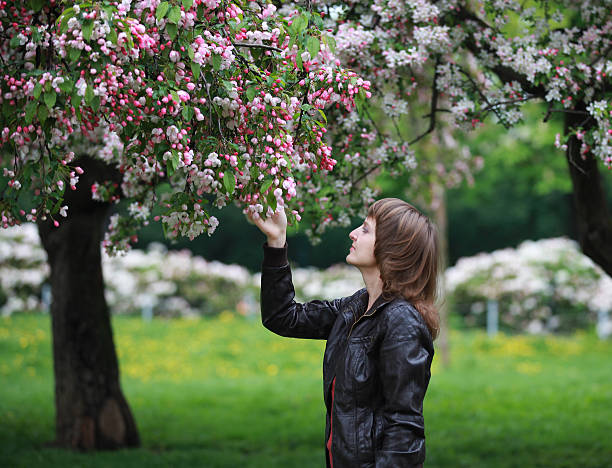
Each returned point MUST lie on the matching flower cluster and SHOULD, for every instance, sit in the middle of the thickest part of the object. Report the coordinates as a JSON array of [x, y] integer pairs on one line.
[[156, 95]]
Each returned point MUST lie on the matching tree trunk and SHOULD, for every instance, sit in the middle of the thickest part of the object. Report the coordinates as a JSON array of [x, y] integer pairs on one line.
[[91, 411], [594, 225], [441, 219]]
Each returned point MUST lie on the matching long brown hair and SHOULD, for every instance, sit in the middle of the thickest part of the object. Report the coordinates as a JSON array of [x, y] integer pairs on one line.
[[407, 254]]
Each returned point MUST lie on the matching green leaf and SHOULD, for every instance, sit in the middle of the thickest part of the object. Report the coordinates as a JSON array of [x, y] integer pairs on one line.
[[7, 109], [292, 40], [298, 60], [27, 172], [229, 182], [251, 92], [87, 28], [37, 90], [37, 5], [112, 34], [130, 39], [313, 45], [63, 24], [216, 61], [323, 115], [75, 100], [66, 86], [187, 112], [175, 14], [175, 96], [50, 98], [172, 30], [266, 185], [162, 9], [331, 43], [190, 52], [299, 24], [14, 41], [195, 69], [30, 111], [95, 103], [272, 201], [187, 4], [359, 105], [43, 113], [89, 95], [74, 54], [171, 165], [63, 19]]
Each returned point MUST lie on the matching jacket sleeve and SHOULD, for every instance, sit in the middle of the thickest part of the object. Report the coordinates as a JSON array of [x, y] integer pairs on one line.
[[279, 311], [405, 361]]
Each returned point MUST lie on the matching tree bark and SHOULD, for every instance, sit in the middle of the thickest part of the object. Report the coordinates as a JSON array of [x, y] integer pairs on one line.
[[91, 411], [594, 225], [441, 219]]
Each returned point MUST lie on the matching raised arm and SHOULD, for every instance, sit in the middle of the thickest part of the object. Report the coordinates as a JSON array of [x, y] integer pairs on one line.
[[279, 311]]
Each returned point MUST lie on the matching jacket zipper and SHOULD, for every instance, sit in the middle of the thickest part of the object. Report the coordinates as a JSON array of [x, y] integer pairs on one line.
[[357, 321]]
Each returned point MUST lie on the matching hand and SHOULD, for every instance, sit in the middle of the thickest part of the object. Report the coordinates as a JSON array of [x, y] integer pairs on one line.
[[274, 227]]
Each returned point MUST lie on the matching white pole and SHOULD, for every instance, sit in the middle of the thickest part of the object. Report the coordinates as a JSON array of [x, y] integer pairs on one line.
[[492, 318]]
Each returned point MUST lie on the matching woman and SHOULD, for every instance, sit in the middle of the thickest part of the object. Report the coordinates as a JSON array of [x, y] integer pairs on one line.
[[379, 341]]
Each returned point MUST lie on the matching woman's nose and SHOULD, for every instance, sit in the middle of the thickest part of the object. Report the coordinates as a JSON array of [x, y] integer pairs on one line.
[[352, 235]]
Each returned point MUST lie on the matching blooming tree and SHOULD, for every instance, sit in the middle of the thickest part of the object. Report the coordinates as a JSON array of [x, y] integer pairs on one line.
[[182, 103], [210, 101], [231, 103], [171, 104], [466, 61]]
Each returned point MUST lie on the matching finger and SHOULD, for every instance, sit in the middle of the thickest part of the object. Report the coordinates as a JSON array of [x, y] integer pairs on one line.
[[261, 224]]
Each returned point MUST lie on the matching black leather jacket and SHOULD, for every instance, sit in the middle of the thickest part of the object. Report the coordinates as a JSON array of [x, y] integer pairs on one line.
[[380, 358]]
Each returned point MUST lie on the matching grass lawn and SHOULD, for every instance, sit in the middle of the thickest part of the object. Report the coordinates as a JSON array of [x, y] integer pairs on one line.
[[225, 392]]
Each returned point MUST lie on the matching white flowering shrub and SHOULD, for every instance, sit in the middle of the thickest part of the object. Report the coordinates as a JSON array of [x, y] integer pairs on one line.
[[176, 283], [157, 281], [541, 286], [23, 269], [334, 282]]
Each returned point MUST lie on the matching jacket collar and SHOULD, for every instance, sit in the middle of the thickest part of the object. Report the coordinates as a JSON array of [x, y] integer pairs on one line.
[[378, 303]]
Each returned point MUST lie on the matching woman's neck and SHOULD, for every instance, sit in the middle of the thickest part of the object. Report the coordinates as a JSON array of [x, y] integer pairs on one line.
[[373, 283]]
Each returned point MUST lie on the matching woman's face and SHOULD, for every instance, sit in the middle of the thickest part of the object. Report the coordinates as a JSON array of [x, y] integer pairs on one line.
[[361, 254]]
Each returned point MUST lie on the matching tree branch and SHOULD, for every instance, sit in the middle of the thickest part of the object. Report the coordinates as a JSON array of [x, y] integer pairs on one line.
[[434, 105], [505, 74]]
